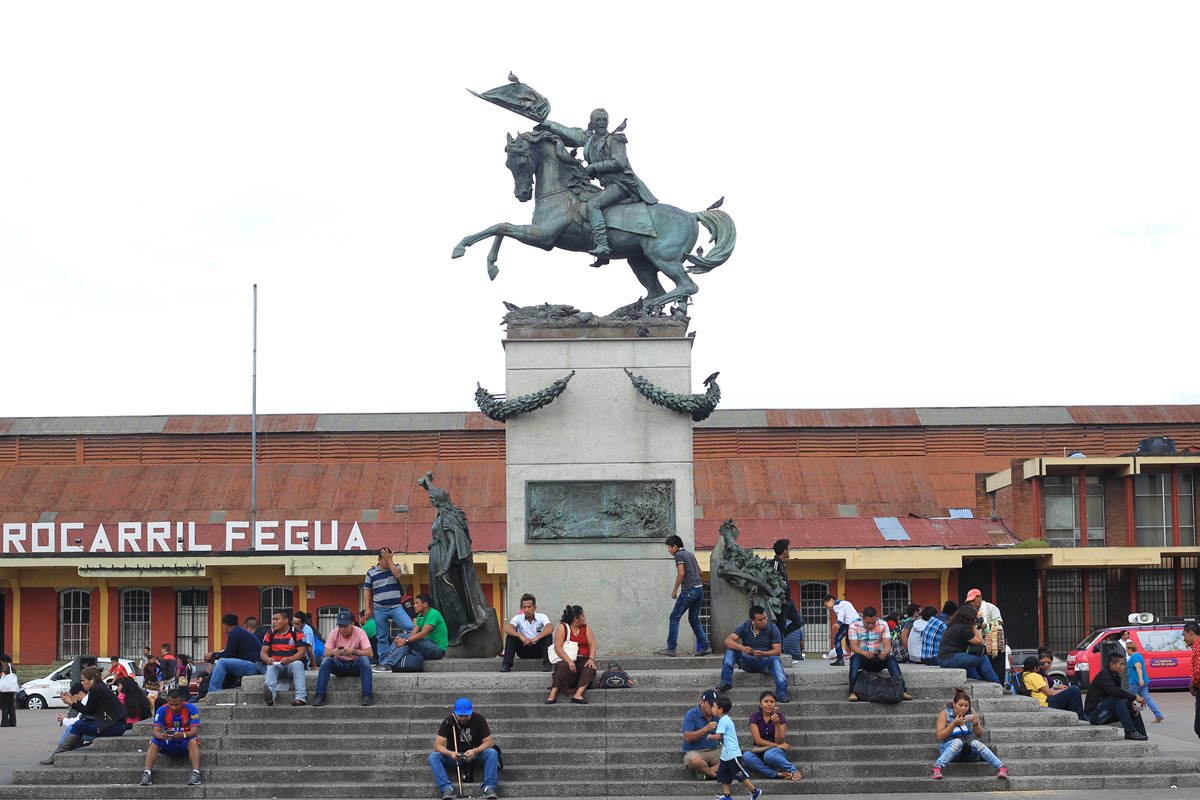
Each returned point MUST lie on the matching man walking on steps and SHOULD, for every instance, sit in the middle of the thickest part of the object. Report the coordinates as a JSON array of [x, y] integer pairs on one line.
[[845, 613], [688, 593]]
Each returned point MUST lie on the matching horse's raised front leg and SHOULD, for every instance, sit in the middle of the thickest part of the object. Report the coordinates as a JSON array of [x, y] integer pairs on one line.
[[475, 238], [536, 235]]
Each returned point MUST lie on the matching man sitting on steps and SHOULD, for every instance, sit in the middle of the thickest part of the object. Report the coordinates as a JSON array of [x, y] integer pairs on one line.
[[1107, 700], [347, 653], [242, 656], [699, 754], [429, 636], [463, 740], [755, 647], [283, 651], [527, 635], [871, 648], [176, 733]]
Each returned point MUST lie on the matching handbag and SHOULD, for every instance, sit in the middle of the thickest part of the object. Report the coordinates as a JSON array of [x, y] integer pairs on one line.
[[878, 687], [9, 683], [975, 650], [569, 647], [614, 677]]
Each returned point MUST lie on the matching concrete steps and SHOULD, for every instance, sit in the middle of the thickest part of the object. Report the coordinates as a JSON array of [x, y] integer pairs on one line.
[[623, 743]]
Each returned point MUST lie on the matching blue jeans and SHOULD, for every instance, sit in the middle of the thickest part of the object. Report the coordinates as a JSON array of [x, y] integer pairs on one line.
[[87, 728], [769, 763], [360, 666], [842, 632], [295, 670], [857, 662], [977, 667], [428, 650], [440, 764], [955, 750], [231, 666], [1070, 699], [771, 665], [1116, 709], [689, 601], [1144, 691], [384, 615]]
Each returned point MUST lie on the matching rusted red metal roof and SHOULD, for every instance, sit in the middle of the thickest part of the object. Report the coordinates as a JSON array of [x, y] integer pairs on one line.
[[239, 423], [842, 417], [1135, 415], [861, 532]]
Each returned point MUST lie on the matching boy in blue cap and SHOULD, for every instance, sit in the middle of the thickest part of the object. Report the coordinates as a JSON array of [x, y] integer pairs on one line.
[[463, 740]]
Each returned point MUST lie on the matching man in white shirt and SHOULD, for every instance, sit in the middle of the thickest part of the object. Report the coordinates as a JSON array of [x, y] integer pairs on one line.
[[916, 634], [846, 613], [527, 635]]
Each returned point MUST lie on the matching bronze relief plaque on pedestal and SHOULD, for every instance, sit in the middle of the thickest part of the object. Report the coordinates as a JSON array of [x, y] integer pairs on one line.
[[599, 510]]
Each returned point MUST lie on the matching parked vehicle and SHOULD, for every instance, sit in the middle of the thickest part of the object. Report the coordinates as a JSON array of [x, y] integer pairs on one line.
[[1057, 676], [44, 692], [1168, 659]]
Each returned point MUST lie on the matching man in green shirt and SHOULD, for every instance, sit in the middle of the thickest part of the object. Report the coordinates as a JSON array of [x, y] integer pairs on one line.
[[429, 635], [367, 623]]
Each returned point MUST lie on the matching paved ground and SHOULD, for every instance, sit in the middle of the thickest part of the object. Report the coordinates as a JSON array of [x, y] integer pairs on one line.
[[38, 731]]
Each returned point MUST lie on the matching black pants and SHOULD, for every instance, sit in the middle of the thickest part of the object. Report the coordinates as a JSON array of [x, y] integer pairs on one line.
[[789, 619], [1196, 725], [8, 709], [514, 649]]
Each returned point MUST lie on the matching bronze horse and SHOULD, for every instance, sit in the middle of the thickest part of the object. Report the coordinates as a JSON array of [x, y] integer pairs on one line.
[[544, 170]]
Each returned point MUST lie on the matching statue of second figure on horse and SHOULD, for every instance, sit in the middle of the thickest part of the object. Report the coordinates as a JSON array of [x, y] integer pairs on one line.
[[619, 219]]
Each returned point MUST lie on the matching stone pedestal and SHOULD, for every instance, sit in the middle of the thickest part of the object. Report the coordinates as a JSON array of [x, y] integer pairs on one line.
[[600, 429]]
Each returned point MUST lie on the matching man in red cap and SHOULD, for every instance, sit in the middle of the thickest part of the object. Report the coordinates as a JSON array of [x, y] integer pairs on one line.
[[988, 612], [989, 618]]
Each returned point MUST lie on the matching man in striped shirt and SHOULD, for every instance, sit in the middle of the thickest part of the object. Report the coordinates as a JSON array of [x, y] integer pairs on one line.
[[283, 651], [932, 638], [384, 582]]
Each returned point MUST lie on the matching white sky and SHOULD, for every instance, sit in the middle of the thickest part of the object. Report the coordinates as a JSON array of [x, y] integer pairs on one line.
[[937, 203]]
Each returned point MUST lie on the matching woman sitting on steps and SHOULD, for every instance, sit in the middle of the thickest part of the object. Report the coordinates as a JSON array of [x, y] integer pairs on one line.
[[958, 728], [769, 753]]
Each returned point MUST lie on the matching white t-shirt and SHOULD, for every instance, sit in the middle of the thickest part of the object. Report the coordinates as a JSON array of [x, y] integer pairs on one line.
[[989, 613], [529, 629], [915, 635], [846, 612]]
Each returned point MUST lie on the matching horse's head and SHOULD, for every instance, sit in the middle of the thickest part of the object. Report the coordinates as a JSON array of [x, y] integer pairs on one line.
[[520, 164]]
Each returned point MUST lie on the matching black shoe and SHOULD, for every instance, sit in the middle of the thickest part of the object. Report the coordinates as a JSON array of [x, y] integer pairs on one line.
[[783, 698], [147, 779], [268, 696], [367, 700], [506, 667], [547, 667], [318, 699], [195, 779], [1134, 736], [837, 663], [724, 687]]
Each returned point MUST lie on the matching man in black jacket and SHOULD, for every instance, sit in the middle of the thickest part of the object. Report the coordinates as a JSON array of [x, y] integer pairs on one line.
[[1108, 701]]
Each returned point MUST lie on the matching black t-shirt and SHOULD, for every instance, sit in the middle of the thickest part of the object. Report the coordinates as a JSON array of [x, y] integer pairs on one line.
[[955, 640], [470, 734]]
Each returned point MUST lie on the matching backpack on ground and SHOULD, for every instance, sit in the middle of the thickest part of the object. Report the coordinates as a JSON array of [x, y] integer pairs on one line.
[[879, 687], [614, 677], [411, 662], [1021, 687]]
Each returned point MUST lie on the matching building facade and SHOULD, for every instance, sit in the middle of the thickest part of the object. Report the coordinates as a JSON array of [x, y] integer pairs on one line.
[[121, 532]]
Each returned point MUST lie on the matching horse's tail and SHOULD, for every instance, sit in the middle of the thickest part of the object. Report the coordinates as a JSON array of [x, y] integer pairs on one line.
[[724, 237]]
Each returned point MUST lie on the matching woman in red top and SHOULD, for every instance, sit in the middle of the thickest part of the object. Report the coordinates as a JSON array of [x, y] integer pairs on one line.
[[573, 654]]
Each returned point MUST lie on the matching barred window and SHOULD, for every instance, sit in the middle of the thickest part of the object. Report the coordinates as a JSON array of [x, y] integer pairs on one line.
[[272, 599], [895, 597], [135, 622], [74, 623], [327, 619]]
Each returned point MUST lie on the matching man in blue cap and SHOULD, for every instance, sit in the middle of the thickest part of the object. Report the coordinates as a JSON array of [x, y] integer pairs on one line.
[[463, 740]]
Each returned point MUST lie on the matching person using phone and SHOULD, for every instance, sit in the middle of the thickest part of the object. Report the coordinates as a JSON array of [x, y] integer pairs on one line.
[[957, 730], [347, 653], [283, 651]]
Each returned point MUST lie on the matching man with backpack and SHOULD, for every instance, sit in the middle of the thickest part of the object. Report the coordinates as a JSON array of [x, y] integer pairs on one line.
[[463, 740], [168, 665], [428, 639], [283, 651]]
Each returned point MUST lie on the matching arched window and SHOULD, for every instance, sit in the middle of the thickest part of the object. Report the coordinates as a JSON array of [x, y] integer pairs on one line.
[[272, 599], [895, 597], [74, 623], [327, 619], [135, 622]]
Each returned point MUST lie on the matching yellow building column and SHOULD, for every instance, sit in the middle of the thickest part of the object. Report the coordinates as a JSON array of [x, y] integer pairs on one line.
[[498, 598], [945, 585], [215, 642], [302, 600], [105, 645], [16, 618]]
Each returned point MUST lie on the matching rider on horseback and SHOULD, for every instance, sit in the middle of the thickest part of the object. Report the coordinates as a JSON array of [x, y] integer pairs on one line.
[[605, 154]]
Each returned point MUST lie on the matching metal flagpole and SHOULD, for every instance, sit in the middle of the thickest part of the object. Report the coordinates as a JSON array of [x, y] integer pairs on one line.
[[254, 416]]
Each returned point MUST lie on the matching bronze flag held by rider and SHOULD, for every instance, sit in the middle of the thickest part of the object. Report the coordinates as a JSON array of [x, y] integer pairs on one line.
[[619, 219]]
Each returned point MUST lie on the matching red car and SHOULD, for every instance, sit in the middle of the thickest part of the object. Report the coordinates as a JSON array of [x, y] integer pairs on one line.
[[1168, 659]]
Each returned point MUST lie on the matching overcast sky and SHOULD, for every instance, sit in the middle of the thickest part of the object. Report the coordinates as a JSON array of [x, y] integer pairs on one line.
[[937, 204]]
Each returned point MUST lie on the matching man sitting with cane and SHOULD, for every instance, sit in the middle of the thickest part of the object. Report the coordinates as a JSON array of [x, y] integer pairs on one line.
[[464, 739]]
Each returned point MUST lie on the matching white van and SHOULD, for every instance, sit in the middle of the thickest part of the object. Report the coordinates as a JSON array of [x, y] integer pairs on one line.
[[44, 692]]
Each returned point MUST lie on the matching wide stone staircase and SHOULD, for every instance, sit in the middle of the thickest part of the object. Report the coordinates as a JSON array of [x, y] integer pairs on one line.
[[623, 743]]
